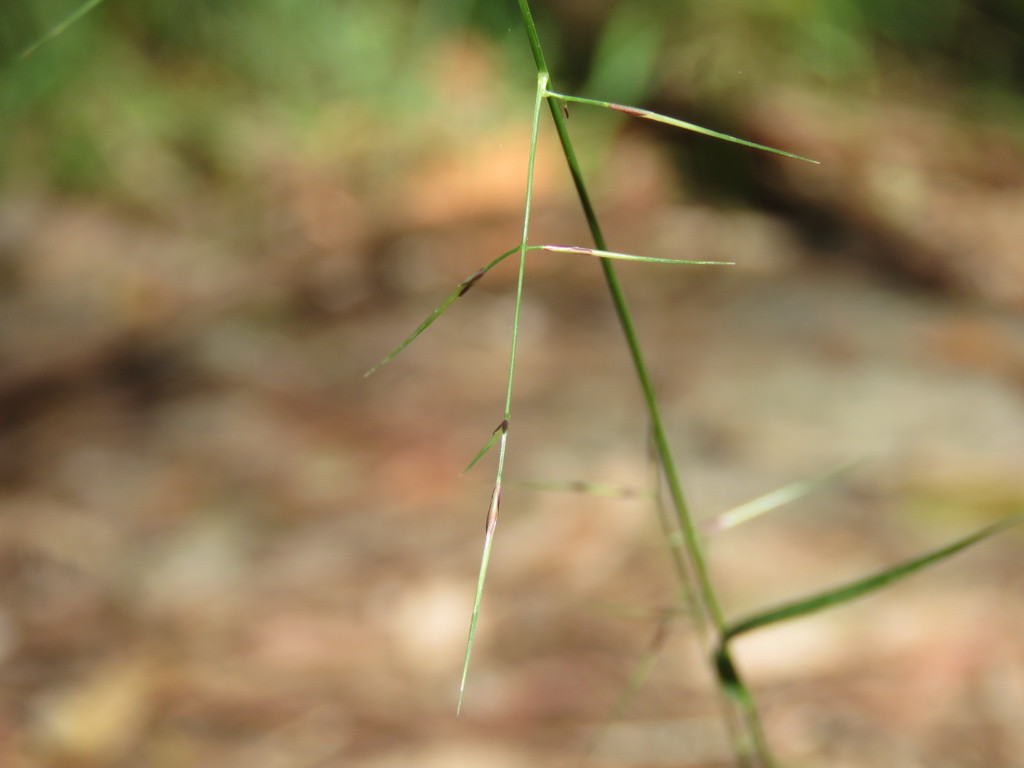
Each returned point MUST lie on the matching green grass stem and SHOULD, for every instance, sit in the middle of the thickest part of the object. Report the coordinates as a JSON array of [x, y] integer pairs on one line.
[[748, 740], [493, 508]]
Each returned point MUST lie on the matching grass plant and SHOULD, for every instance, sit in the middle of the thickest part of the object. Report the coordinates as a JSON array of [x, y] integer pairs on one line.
[[685, 540]]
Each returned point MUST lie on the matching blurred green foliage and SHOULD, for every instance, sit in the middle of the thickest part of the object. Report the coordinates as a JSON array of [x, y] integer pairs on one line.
[[164, 80], [741, 45], [174, 80]]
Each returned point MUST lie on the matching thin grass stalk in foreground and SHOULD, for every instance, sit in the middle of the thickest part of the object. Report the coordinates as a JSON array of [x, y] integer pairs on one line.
[[492, 511], [749, 743]]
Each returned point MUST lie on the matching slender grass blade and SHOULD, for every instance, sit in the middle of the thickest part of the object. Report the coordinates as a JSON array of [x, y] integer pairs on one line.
[[775, 499], [647, 114], [460, 290], [623, 256], [501, 430], [842, 594]]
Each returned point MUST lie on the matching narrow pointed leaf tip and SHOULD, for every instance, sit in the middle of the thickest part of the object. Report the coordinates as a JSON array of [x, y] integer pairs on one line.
[[842, 594], [460, 290], [624, 256], [490, 523], [647, 114], [419, 329], [500, 430]]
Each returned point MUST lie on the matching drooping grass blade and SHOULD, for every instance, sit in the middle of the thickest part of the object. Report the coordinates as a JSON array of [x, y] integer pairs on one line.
[[460, 290], [743, 722]]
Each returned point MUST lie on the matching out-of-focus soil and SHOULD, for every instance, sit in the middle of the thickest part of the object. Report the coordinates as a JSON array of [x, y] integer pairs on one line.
[[222, 546]]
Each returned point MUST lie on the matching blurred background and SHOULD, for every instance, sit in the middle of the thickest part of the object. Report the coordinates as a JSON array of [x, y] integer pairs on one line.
[[222, 546]]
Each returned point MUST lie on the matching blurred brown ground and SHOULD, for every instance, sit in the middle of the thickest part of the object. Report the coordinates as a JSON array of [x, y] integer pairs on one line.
[[222, 546]]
